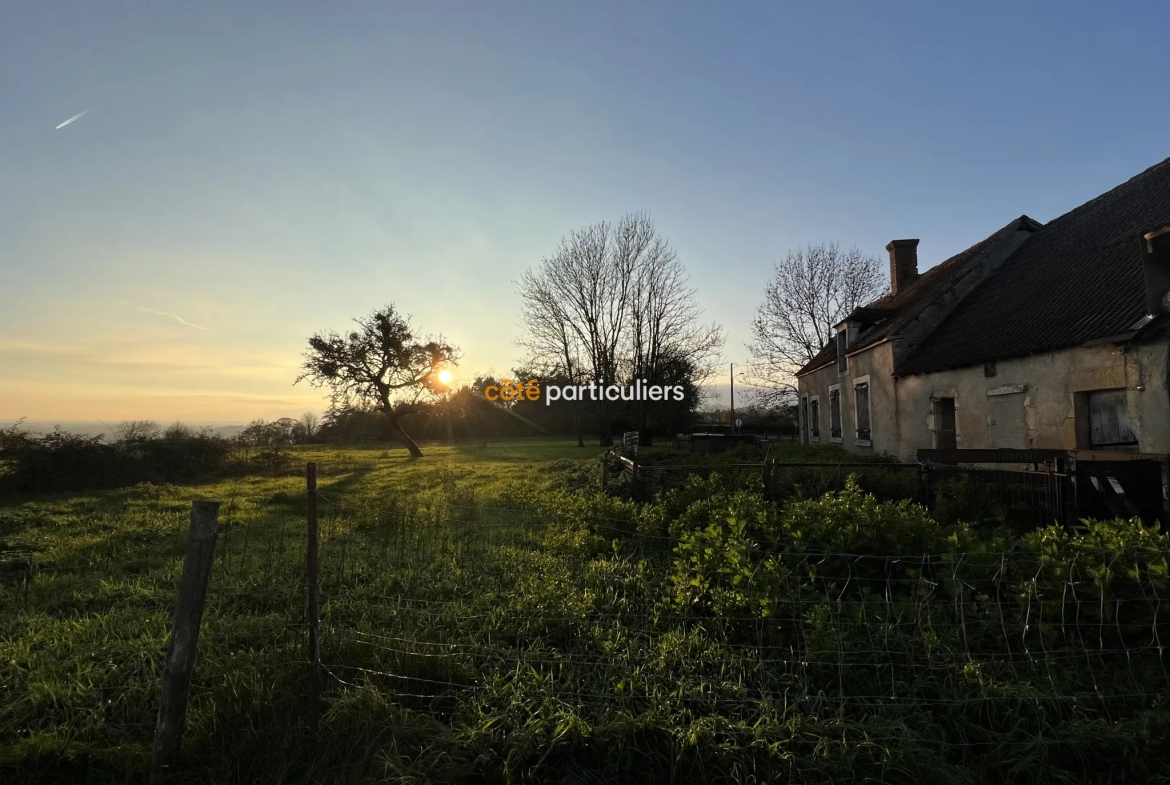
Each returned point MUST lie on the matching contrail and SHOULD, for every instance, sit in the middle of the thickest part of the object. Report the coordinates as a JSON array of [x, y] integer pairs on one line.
[[71, 119], [178, 319]]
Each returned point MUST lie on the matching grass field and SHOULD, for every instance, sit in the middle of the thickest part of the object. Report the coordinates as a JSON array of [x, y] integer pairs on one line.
[[490, 617]]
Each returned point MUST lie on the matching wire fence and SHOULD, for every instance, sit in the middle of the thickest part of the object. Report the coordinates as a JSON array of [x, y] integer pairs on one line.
[[465, 609], [490, 607]]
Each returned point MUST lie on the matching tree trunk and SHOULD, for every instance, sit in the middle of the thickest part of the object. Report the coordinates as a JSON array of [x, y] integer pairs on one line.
[[580, 431], [400, 434]]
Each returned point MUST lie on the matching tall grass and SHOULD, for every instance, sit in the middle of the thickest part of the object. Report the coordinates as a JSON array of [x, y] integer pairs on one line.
[[530, 629]]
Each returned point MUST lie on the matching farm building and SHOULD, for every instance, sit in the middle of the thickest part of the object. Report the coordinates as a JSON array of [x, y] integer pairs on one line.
[[1042, 336]]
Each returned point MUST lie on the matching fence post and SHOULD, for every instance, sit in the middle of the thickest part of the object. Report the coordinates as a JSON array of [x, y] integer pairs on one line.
[[180, 656], [314, 708]]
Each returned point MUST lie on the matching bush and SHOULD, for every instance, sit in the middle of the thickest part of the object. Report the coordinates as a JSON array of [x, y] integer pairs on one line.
[[735, 552], [62, 461], [1103, 581], [961, 499]]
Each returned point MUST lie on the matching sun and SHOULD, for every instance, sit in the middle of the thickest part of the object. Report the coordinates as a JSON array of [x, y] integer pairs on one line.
[[445, 377]]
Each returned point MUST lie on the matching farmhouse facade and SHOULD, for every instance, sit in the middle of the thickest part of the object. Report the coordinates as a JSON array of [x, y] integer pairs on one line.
[[1051, 335]]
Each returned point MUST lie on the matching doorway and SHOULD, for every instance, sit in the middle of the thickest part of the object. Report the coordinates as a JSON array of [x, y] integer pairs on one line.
[[944, 424]]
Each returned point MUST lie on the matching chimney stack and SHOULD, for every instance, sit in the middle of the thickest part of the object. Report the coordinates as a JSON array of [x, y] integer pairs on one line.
[[903, 264], [1156, 266]]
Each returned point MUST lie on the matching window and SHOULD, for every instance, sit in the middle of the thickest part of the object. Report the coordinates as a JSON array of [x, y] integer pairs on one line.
[[944, 424], [814, 418], [842, 345], [835, 414], [861, 394], [804, 420], [1109, 425]]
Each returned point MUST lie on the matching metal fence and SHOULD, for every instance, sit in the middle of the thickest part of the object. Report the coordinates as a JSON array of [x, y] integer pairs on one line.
[[1052, 490]]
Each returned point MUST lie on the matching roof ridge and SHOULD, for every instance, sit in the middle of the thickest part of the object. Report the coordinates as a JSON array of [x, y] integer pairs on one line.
[[1077, 280], [907, 306], [991, 245]]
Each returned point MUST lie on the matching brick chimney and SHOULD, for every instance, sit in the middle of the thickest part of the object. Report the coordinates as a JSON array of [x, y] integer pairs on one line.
[[903, 264]]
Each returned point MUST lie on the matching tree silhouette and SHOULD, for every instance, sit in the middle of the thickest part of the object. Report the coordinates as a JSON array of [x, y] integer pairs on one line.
[[382, 364]]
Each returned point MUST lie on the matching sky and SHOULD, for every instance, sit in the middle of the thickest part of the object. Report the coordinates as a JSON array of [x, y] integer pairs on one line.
[[248, 174]]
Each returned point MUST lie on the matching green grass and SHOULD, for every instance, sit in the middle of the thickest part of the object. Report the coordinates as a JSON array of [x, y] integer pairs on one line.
[[489, 617]]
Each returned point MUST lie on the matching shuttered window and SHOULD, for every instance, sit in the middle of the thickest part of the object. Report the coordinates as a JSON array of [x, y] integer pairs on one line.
[[861, 393], [804, 420], [1109, 424], [835, 414]]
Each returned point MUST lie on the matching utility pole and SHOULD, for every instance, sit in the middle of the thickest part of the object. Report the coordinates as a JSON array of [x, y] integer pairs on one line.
[[733, 397]]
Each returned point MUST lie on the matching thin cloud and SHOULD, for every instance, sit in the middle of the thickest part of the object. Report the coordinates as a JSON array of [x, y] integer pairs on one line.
[[178, 319], [71, 119]]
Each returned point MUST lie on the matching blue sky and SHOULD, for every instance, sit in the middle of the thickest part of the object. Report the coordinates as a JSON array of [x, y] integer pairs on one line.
[[264, 171]]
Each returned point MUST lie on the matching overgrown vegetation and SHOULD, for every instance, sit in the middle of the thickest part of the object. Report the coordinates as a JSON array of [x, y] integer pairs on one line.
[[139, 452], [489, 617]]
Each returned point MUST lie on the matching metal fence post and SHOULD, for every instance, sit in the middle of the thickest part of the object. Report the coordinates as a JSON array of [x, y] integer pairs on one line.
[[180, 656], [314, 707]]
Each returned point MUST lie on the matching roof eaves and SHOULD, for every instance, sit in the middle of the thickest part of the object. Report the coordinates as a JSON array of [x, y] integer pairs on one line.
[[806, 370]]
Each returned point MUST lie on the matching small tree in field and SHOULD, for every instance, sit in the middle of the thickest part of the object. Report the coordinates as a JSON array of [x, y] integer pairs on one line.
[[308, 426], [382, 364]]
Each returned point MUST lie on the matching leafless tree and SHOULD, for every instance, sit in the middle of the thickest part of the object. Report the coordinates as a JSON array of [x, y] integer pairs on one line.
[[381, 364], [136, 430], [811, 291], [613, 304], [309, 424]]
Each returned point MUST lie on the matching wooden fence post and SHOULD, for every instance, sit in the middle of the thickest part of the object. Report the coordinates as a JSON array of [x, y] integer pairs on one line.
[[314, 708], [180, 656]]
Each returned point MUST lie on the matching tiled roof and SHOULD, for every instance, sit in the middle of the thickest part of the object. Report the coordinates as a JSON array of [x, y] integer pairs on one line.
[[893, 311], [1076, 279]]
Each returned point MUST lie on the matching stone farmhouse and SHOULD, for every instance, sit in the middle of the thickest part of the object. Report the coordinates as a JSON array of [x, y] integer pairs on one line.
[[1042, 336]]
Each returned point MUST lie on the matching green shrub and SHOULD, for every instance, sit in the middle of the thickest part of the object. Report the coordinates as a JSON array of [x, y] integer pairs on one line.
[[723, 563], [62, 461], [1102, 582], [962, 500]]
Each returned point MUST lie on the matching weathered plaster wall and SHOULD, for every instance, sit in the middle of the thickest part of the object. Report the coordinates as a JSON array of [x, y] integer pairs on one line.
[[877, 364], [1032, 401]]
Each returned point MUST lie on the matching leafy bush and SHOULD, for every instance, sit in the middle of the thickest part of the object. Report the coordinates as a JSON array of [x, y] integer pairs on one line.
[[62, 461], [856, 522], [1102, 582], [962, 499], [736, 553]]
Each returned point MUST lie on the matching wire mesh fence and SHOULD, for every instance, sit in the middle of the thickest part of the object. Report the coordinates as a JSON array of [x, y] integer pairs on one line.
[[579, 610], [476, 606]]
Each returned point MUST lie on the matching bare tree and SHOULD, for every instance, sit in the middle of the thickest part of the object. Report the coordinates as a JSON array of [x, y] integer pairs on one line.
[[136, 430], [309, 425], [810, 292], [613, 303], [380, 364]]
